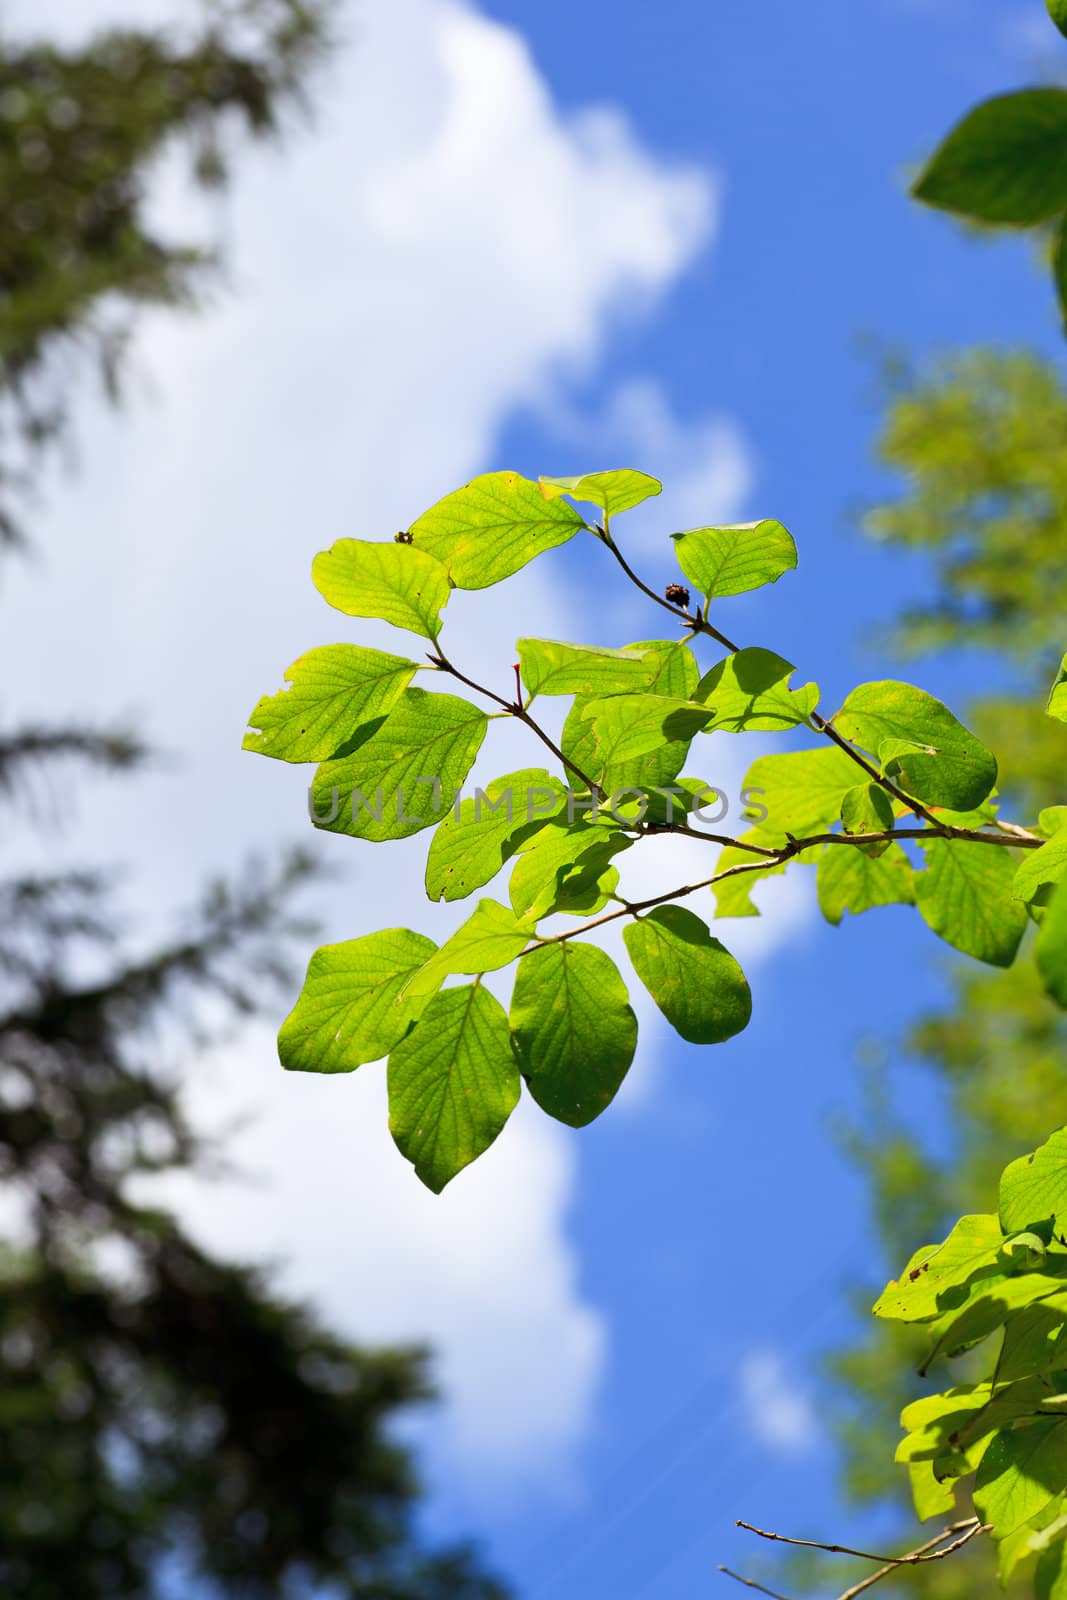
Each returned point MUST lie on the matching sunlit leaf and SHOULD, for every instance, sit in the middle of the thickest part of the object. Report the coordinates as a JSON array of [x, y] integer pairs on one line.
[[750, 691], [551, 667], [453, 1083], [1057, 700], [350, 1009], [1034, 1188], [574, 1029], [479, 836], [921, 745], [333, 691], [613, 492], [849, 880], [492, 527], [406, 775], [1024, 1468], [936, 1277], [735, 557], [393, 582], [965, 896], [1051, 948], [693, 979], [566, 867], [491, 938]]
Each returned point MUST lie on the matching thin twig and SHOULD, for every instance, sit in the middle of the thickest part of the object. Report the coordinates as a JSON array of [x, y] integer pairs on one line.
[[515, 708], [698, 624], [750, 1583], [919, 1554], [917, 1558], [935, 1549]]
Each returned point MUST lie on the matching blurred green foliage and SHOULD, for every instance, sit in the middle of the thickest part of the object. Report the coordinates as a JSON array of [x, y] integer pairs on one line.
[[978, 441]]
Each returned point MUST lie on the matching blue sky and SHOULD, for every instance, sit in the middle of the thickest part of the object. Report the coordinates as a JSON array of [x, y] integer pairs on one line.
[[606, 234]]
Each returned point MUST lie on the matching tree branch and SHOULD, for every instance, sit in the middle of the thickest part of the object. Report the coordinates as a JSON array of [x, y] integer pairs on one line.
[[936, 1549]]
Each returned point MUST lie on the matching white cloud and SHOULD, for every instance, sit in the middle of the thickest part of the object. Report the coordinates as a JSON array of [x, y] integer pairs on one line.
[[779, 1412], [408, 275]]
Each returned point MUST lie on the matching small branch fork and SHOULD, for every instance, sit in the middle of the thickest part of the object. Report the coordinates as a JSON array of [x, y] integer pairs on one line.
[[943, 1544], [1007, 834]]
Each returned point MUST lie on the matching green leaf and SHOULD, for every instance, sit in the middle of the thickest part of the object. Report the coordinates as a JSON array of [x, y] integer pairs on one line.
[[849, 880], [453, 1083], [1034, 1188], [492, 527], [1005, 162], [627, 727], [867, 809], [939, 1424], [566, 867], [694, 980], [677, 672], [1035, 1340], [1024, 1468], [1041, 867], [736, 557], [479, 836], [394, 582], [551, 667], [334, 690], [1057, 10], [491, 938], [920, 744], [931, 1497], [1050, 1574], [350, 1009], [1057, 700], [406, 775], [750, 690], [1051, 948], [613, 492], [802, 791], [965, 897], [596, 757], [574, 1029], [991, 1304], [936, 1278], [1059, 268]]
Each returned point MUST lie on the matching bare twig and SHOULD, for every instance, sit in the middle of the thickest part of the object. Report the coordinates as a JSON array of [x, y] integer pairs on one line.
[[936, 1549], [750, 1583], [697, 623]]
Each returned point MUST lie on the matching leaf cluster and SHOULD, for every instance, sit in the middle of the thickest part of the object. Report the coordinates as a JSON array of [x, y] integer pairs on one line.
[[896, 804]]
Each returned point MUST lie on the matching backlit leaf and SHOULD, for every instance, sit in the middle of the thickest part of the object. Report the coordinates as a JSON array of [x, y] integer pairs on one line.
[[1041, 867], [1024, 1468], [406, 775], [921, 745], [936, 1277], [394, 582], [491, 938], [476, 838], [849, 880], [749, 691], [965, 896], [551, 667], [693, 979], [333, 691], [453, 1083], [1057, 700], [492, 527], [736, 557], [1034, 1188], [1051, 948], [350, 1009], [613, 492], [574, 1029]]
